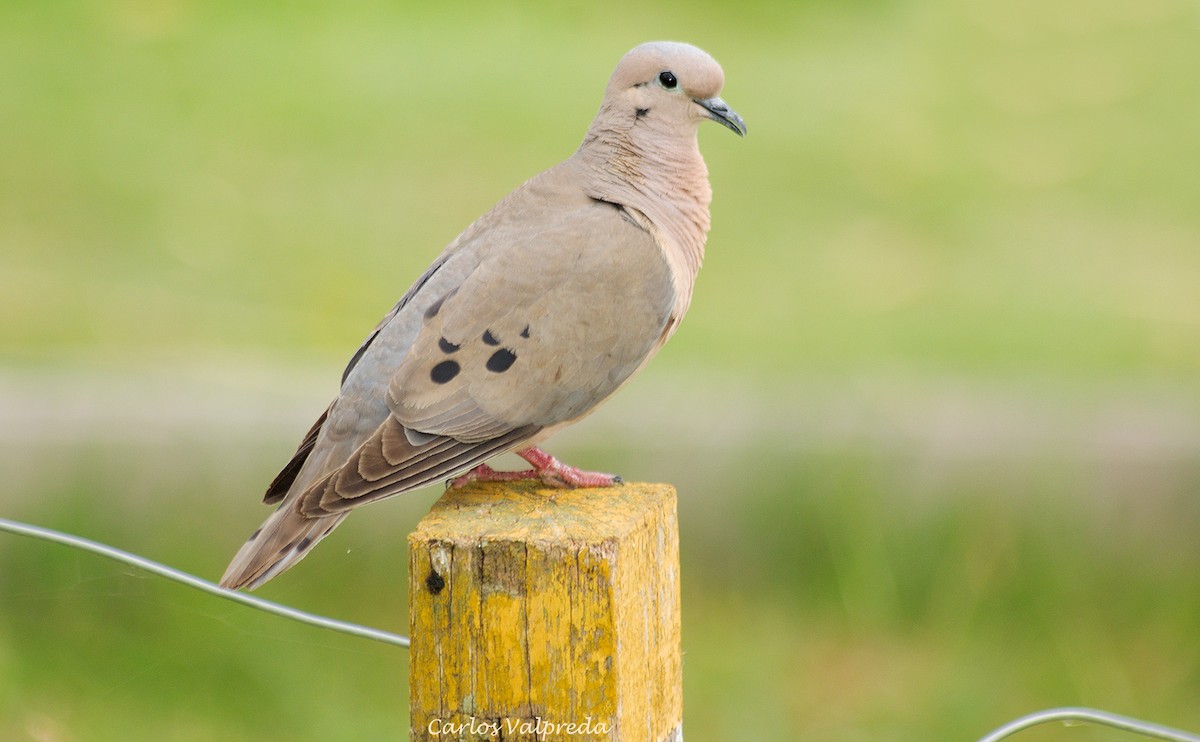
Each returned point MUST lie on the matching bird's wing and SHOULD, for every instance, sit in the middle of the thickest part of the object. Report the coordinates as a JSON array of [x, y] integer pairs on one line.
[[558, 310]]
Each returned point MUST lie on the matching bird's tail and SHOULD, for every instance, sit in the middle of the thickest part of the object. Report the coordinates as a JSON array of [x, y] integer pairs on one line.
[[284, 539]]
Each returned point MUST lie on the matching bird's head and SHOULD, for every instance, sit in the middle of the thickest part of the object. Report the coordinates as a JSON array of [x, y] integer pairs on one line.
[[665, 84]]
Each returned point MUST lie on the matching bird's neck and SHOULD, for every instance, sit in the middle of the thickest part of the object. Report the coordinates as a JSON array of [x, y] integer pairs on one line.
[[659, 174]]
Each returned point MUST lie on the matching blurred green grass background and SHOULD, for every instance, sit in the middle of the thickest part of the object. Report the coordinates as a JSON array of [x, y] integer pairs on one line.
[[934, 415]]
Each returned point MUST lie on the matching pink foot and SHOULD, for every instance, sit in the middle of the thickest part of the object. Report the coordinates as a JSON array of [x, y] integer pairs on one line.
[[551, 471], [485, 473]]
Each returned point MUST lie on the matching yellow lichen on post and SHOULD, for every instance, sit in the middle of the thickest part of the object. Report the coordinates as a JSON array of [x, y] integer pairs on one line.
[[545, 614]]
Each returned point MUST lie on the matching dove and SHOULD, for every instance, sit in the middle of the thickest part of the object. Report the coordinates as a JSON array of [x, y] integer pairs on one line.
[[530, 318]]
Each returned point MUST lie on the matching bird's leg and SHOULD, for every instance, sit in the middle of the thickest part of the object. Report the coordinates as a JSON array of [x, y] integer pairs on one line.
[[548, 469], [557, 474], [485, 473]]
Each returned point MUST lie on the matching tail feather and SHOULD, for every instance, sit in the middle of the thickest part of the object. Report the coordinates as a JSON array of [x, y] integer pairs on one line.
[[284, 539]]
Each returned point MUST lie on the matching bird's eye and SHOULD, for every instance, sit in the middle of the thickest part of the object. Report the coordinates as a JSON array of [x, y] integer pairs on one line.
[[667, 80]]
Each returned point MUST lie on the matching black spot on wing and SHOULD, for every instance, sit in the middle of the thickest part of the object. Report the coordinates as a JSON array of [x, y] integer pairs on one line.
[[447, 346], [444, 372], [501, 360], [416, 287], [641, 112], [489, 338], [525, 332], [432, 310]]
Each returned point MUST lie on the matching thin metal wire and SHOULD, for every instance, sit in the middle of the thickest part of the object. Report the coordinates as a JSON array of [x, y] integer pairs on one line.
[[47, 534], [1079, 715], [1092, 716]]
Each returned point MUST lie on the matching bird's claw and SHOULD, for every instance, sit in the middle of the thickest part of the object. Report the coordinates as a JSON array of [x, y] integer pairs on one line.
[[546, 469]]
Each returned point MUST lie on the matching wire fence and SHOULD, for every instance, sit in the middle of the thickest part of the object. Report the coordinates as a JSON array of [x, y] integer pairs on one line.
[[1075, 716], [1071, 716], [198, 583]]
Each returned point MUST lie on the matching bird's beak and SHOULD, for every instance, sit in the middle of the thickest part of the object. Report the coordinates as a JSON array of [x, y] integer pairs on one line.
[[723, 114]]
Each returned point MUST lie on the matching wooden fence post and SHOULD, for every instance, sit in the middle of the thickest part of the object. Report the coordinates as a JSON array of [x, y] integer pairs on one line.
[[546, 614]]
